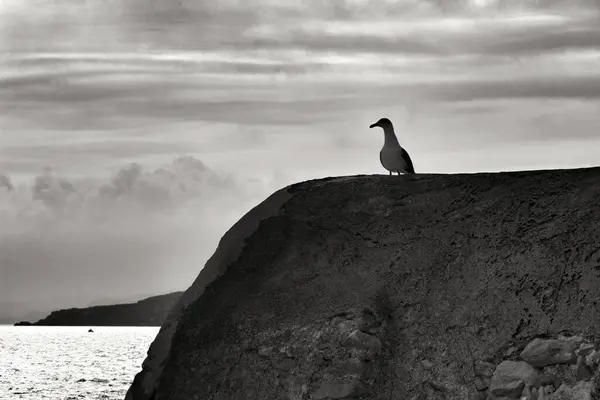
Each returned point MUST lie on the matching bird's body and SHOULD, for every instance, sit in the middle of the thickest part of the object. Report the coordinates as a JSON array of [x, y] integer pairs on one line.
[[396, 159], [392, 156]]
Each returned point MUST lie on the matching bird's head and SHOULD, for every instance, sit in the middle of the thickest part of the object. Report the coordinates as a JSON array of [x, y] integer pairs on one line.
[[382, 123]]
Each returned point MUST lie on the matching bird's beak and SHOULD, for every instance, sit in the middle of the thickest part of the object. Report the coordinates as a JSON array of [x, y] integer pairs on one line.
[[373, 125]]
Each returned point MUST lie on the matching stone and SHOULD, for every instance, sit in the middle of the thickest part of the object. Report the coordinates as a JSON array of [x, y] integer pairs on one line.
[[509, 390], [526, 394], [542, 352], [350, 366], [584, 349], [483, 368], [582, 372], [285, 365], [511, 377], [427, 365], [341, 380], [479, 396], [336, 390], [562, 393], [482, 383], [319, 359], [510, 351], [581, 391], [367, 320], [551, 376], [289, 352], [591, 360], [544, 392], [361, 340], [575, 339], [265, 351]]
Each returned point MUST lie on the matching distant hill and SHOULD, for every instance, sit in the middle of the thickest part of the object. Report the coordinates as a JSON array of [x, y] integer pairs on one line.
[[148, 312]]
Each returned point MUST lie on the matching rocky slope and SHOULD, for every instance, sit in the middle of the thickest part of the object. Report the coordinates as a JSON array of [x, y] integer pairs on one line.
[[148, 312], [413, 287]]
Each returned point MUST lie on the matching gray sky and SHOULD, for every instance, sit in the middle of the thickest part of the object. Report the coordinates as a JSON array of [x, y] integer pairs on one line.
[[231, 100]]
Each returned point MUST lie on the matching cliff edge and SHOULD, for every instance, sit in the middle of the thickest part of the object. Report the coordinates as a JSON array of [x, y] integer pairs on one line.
[[403, 287]]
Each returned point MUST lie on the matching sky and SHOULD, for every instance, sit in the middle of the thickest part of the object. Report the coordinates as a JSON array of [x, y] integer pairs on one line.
[[133, 133]]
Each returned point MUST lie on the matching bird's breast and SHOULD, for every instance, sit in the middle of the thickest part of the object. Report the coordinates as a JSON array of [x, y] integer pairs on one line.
[[391, 159]]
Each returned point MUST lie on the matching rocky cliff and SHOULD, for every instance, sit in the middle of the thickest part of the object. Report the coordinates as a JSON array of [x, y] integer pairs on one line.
[[404, 287], [148, 312]]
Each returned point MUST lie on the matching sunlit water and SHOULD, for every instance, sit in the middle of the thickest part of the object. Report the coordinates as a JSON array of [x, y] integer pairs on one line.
[[70, 363]]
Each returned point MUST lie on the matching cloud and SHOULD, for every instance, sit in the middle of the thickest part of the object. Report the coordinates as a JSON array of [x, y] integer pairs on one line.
[[532, 88], [140, 231], [573, 38]]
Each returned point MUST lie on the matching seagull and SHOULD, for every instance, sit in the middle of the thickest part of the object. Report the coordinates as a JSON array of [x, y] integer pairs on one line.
[[392, 156]]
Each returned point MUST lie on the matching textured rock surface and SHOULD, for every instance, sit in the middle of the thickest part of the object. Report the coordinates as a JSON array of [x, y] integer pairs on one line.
[[542, 352], [452, 269], [581, 391], [511, 377]]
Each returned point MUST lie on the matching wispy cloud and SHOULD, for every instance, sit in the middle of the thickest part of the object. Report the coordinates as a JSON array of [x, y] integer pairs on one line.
[[144, 230]]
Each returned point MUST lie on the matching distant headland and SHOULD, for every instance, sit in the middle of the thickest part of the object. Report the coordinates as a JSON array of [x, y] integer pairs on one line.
[[151, 311]]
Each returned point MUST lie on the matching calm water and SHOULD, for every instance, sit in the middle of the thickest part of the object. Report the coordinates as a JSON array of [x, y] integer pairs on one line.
[[68, 363]]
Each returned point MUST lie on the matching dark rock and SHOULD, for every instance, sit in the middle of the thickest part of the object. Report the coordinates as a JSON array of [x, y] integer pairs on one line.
[[265, 351], [542, 352], [508, 390], [592, 359], [482, 383], [368, 322], [427, 365], [304, 255], [483, 395], [582, 372], [362, 340], [285, 364], [342, 380], [581, 391], [552, 377], [527, 393], [485, 369], [584, 349], [338, 390], [510, 351]]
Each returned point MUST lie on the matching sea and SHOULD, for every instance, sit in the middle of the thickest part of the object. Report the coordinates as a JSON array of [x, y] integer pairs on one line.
[[70, 363]]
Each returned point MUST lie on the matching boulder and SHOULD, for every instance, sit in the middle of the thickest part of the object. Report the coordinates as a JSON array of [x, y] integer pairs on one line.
[[542, 352], [511, 377], [581, 391]]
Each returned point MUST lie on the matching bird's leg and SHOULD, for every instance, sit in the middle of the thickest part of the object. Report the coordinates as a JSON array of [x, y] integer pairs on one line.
[[390, 173]]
